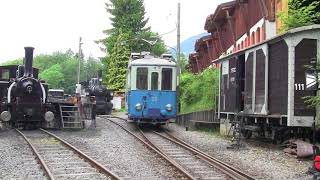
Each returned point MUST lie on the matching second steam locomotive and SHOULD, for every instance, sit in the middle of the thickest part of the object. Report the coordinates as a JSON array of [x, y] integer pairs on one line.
[[102, 95]]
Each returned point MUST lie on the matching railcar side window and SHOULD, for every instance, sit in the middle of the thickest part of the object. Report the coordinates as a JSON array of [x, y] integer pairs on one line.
[[142, 78], [154, 81], [166, 82]]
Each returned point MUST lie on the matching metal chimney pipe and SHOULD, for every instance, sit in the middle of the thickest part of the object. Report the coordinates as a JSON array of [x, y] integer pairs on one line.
[[28, 71], [99, 77], [99, 74]]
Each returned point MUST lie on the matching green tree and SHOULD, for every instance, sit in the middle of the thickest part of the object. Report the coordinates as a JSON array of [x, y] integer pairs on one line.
[[59, 69], [69, 70], [91, 68], [300, 13], [183, 63], [128, 24], [117, 65], [13, 62], [53, 76], [128, 17]]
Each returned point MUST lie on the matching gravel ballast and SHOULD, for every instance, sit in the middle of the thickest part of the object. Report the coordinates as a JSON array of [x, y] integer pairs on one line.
[[16, 158], [128, 158], [119, 152], [261, 160]]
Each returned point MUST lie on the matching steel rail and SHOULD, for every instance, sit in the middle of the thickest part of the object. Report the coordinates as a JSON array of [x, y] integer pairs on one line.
[[172, 162], [224, 167], [93, 162], [38, 156]]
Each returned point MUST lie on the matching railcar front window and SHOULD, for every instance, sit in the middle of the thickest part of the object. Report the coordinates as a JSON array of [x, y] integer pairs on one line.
[[166, 82], [154, 81], [142, 78]]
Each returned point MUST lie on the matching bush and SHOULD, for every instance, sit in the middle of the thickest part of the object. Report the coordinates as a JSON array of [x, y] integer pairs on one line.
[[198, 92]]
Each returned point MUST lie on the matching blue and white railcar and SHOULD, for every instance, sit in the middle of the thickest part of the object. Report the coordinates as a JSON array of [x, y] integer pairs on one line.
[[151, 89]]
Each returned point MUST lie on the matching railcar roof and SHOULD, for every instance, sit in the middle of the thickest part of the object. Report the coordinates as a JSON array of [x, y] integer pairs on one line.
[[149, 61], [315, 27]]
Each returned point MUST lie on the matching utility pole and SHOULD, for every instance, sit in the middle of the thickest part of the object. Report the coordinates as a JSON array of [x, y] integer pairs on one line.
[[80, 57], [178, 42], [178, 59]]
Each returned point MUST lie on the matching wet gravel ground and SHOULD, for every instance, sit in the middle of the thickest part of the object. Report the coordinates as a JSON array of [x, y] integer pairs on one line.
[[16, 158], [119, 152], [261, 160]]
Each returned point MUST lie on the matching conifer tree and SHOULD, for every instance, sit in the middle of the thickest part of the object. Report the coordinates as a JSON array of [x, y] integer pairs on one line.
[[300, 13], [129, 33], [117, 64]]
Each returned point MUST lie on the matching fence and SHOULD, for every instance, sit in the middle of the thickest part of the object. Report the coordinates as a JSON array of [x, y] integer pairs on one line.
[[208, 116]]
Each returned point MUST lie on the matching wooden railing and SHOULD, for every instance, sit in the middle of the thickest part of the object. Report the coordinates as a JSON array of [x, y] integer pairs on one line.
[[208, 116]]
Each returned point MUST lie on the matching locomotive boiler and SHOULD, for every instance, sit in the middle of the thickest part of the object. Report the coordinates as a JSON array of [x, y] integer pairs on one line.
[[24, 97]]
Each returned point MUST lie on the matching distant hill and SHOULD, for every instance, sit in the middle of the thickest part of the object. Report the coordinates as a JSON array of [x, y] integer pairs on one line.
[[187, 46]]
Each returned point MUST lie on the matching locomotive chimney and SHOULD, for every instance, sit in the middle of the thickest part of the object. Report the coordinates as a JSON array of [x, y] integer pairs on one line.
[[99, 77], [28, 71], [99, 74]]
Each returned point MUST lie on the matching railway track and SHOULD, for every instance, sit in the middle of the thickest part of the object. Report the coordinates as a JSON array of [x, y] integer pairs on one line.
[[60, 160], [189, 160]]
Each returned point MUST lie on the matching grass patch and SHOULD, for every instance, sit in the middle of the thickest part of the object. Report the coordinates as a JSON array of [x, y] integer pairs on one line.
[[209, 130], [120, 110]]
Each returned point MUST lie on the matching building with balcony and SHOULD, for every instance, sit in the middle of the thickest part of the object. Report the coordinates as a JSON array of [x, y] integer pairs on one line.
[[234, 26]]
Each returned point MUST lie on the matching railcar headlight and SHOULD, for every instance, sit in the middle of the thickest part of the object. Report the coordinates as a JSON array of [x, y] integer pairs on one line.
[[5, 116], [48, 116], [138, 107], [169, 107]]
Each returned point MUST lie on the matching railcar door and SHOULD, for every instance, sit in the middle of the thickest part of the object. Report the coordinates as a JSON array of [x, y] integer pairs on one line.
[[154, 96]]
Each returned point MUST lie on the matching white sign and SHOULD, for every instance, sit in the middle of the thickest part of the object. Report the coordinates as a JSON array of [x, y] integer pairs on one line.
[[310, 81], [116, 103]]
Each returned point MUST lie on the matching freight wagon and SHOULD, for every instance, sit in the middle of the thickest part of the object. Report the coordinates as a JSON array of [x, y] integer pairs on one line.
[[263, 87]]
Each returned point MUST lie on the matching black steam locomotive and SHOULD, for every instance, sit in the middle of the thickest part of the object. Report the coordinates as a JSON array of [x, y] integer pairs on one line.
[[102, 95], [23, 95]]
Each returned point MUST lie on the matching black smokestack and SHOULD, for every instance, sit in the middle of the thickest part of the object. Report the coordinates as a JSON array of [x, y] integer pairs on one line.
[[99, 74], [28, 59], [99, 77]]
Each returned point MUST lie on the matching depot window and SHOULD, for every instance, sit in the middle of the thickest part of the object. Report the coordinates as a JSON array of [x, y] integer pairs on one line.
[[166, 82], [142, 78]]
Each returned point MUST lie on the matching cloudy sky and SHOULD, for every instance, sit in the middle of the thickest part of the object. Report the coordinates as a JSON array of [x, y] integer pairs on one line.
[[56, 25]]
